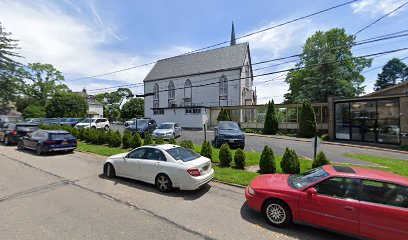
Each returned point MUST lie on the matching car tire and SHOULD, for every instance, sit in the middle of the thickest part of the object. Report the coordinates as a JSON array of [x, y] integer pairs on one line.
[[109, 171], [20, 145], [39, 150], [277, 213], [106, 128], [70, 151], [163, 183], [6, 141]]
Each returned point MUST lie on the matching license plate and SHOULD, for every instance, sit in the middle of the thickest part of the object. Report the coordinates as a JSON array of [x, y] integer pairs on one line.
[[63, 143]]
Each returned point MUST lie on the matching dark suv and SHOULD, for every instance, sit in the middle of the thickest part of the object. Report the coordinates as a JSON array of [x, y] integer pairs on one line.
[[230, 133], [44, 141], [12, 132], [142, 126]]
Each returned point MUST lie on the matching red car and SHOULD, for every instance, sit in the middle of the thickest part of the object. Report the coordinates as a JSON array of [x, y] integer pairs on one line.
[[356, 201]]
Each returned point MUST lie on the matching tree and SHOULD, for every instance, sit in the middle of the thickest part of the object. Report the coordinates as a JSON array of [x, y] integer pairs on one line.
[[9, 79], [225, 155], [187, 144], [290, 163], [206, 150], [239, 158], [113, 100], [34, 112], [326, 68], [41, 82], [66, 105], [320, 160], [271, 121], [267, 162], [307, 121], [393, 72], [127, 139], [148, 140], [133, 108], [224, 115]]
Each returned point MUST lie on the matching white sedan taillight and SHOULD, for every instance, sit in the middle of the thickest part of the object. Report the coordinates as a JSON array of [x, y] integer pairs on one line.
[[194, 172]]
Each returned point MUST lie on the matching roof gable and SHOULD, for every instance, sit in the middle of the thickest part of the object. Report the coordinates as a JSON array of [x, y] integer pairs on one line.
[[213, 60]]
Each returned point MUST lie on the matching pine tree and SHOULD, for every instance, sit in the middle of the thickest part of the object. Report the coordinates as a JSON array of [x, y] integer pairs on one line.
[[271, 121], [393, 72], [224, 115], [307, 121]]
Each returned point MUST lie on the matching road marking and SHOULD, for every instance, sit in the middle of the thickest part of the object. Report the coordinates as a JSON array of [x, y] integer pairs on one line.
[[303, 156], [252, 149]]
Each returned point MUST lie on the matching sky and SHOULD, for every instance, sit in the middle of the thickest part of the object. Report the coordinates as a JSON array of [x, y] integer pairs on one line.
[[91, 37]]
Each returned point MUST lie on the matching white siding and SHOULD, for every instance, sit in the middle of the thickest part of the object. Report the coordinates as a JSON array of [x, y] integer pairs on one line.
[[96, 108]]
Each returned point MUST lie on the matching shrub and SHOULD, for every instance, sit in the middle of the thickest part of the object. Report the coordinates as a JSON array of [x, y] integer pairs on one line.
[[267, 162], [109, 137], [136, 141], [81, 134], [290, 162], [74, 132], [93, 136], [116, 139], [172, 141], [159, 140], [320, 160], [187, 144], [239, 159], [225, 155], [127, 139], [271, 121], [206, 150], [148, 140], [307, 121], [102, 137], [324, 137], [404, 148]]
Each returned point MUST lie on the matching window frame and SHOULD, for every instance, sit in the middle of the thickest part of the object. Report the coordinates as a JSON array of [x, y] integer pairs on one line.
[[142, 148], [188, 85], [379, 204], [172, 91], [154, 149], [223, 86], [358, 193]]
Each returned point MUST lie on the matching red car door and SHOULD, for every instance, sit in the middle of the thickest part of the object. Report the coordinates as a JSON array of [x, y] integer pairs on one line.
[[335, 206], [384, 211]]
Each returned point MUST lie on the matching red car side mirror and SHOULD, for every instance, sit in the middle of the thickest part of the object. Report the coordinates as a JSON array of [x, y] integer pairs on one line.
[[311, 191]]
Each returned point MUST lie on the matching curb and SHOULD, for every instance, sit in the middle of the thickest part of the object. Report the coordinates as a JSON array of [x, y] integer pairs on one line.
[[230, 184], [330, 143]]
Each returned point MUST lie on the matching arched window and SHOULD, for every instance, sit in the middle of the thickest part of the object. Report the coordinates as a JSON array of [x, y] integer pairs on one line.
[[156, 96], [172, 91], [188, 93], [223, 86]]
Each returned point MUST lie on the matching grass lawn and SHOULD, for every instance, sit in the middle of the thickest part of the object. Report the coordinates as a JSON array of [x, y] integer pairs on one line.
[[394, 165], [98, 149]]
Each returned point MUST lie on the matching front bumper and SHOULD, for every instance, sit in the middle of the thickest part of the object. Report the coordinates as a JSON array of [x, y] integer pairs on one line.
[[197, 182], [232, 142], [253, 202], [165, 137]]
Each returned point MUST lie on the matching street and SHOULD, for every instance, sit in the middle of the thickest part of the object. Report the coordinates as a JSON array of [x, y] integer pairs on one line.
[[304, 149], [66, 197]]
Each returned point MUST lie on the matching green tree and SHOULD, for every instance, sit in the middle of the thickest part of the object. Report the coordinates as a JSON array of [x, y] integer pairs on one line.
[[290, 163], [66, 105], [187, 144], [113, 100], [34, 111], [9, 78], [136, 141], [148, 140], [225, 155], [271, 121], [159, 140], [239, 158], [173, 141], [41, 81], [326, 68], [206, 150], [267, 162], [320, 160], [393, 72], [224, 115], [307, 121], [134, 108], [127, 139]]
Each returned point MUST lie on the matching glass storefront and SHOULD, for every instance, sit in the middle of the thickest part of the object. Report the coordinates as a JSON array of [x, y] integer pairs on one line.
[[368, 121]]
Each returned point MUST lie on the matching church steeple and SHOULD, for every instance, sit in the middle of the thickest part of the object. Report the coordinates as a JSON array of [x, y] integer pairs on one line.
[[233, 42]]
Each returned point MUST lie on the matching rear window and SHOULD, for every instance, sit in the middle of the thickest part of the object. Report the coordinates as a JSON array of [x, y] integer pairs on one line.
[[182, 154], [61, 136], [27, 128]]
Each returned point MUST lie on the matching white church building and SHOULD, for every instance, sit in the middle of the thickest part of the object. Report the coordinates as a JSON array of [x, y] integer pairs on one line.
[[184, 88]]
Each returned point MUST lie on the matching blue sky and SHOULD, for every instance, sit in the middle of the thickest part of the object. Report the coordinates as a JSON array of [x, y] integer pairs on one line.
[[83, 38]]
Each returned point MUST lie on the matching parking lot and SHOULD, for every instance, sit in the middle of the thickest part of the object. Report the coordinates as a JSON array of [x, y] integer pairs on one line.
[[66, 197], [304, 149]]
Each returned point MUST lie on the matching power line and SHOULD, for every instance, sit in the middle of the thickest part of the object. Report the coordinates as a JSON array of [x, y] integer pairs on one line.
[[366, 41], [379, 19], [221, 43]]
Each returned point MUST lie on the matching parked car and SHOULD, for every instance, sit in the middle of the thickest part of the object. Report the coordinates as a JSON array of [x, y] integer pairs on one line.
[[129, 122], [142, 126], [229, 132], [36, 120], [51, 121], [96, 123], [44, 141], [167, 131], [361, 202], [167, 166], [12, 132], [70, 121]]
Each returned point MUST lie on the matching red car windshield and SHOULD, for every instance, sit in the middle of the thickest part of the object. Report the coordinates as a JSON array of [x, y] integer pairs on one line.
[[299, 181]]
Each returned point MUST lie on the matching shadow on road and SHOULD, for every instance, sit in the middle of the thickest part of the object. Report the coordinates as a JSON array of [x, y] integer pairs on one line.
[[47, 154], [296, 230], [186, 195]]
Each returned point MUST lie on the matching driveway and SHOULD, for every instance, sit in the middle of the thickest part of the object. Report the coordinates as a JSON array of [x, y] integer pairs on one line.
[[257, 143], [66, 197]]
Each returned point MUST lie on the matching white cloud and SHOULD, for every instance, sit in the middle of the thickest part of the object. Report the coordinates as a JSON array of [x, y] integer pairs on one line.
[[375, 7], [73, 43]]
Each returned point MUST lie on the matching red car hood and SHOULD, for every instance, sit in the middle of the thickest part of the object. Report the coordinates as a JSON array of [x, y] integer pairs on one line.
[[269, 182]]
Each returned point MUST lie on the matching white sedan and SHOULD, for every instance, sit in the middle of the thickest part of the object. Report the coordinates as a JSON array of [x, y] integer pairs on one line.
[[167, 166]]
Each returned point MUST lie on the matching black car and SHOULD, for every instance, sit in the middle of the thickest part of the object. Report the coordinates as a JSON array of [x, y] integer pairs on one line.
[[70, 121], [12, 132], [44, 141], [230, 133], [142, 126]]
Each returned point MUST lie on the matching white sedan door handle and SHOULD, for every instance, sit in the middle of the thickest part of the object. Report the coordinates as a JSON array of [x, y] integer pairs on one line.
[[157, 163]]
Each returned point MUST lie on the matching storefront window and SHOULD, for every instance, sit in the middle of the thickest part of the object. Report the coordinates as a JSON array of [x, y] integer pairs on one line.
[[388, 121], [342, 121]]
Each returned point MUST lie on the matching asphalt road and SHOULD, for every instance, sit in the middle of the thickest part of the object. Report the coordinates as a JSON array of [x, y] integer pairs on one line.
[[66, 197], [256, 144]]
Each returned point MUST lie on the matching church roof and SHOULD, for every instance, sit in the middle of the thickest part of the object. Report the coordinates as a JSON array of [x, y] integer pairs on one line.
[[231, 57]]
